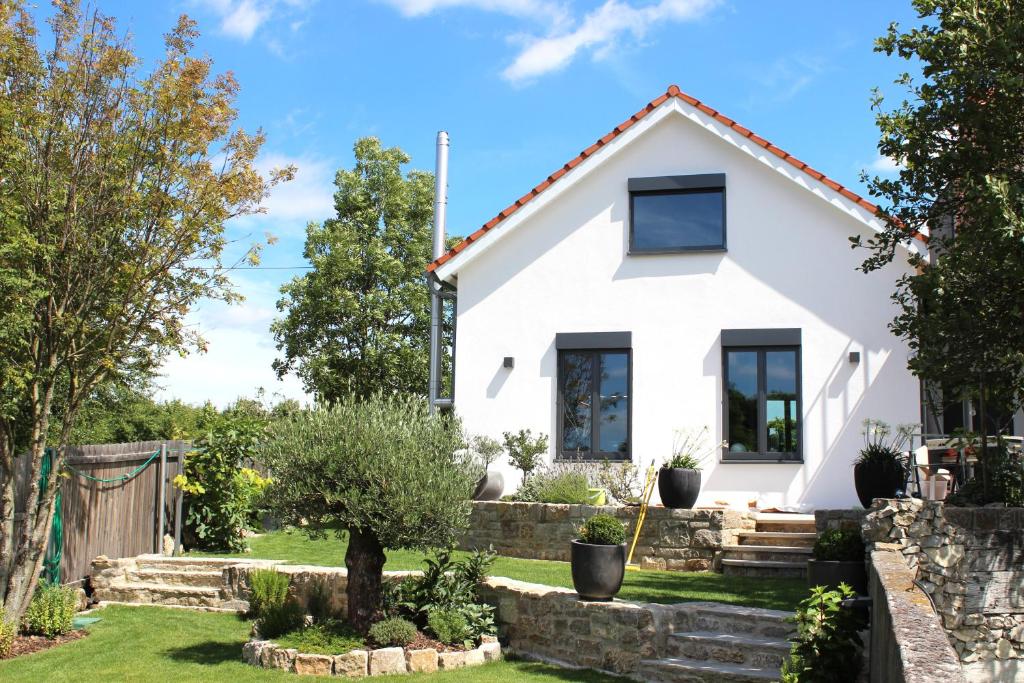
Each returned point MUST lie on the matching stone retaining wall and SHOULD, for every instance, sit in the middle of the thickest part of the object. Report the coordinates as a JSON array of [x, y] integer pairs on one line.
[[971, 562], [690, 540], [838, 519]]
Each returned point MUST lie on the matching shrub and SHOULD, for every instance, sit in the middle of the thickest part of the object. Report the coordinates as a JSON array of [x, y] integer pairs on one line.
[[620, 479], [562, 487], [1004, 471], [328, 637], [393, 631], [827, 646], [7, 632], [485, 450], [221, 492], [381, 468], [269, 590], [449, 626], [602, 530], [51, 611], [277, 620], [881, 445], [841, 545], [525, 450]]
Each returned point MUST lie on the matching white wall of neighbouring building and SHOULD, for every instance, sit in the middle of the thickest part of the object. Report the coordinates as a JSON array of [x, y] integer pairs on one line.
[[789, 264]]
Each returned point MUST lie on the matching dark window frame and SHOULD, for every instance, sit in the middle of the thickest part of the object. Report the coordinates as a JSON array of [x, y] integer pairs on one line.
[[592, 455], [677, 185], [761, 342]]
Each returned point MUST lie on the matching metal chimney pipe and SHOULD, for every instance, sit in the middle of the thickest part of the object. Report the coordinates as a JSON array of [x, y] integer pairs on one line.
[[436, 311]]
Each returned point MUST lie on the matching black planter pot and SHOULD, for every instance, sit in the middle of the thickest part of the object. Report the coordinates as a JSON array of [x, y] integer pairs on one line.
[[597, 570], [678, 487], [490, 487], [831, 573], [877, 480]]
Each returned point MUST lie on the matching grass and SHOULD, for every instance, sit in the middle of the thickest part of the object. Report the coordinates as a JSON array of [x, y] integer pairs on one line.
[[160, 644], [642, 586], [329, 638]]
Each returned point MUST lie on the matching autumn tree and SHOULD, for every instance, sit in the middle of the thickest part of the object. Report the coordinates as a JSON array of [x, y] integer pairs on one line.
[[360, 320], [114, 188]]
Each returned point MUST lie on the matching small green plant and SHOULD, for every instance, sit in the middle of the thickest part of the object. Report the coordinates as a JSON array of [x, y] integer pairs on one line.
[[842, 545], [8, 631], [277, 620], [882, 446], [827, 647], [562, 487], [485, 450], [393, 632], [269, 590], [620, 479], [690, 449], [51, 611], [449, 626], [602, 530], [525, 450], [329, 637]]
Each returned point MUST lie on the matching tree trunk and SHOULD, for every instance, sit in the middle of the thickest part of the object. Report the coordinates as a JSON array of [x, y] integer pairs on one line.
[[364, 560]]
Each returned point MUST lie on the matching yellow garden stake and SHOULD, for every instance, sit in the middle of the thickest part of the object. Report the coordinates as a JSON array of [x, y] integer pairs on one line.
[[645, 499]]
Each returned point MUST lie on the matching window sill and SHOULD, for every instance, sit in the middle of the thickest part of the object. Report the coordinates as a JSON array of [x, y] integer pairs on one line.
[[677, 250], [761, 461]]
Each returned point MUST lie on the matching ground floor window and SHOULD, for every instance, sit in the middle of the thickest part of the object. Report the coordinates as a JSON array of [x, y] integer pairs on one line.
[[761, 392], [593, 403]]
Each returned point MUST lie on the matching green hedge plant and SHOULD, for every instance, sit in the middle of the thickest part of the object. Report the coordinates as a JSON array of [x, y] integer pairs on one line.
[[393, 632], [450, 626], [51, 611], [269, 590], [602, 530]]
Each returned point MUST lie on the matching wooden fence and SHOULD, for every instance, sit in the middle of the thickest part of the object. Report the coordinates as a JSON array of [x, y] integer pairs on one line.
[[118, 516]]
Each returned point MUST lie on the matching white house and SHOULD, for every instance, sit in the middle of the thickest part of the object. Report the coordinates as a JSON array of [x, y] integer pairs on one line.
[[682, 272]]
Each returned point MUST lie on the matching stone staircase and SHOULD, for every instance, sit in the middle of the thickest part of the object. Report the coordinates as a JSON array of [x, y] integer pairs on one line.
[[779, 546], [719, 643], [193, 582]]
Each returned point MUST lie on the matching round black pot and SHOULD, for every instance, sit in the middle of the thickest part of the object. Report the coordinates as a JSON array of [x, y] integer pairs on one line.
[[831, 573], [490, 487], [877, 480], [597, 570], [678, 487]]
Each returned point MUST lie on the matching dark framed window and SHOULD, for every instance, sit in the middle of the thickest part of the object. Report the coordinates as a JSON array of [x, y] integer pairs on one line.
[[672, 214], [594, 417], [762, 396]]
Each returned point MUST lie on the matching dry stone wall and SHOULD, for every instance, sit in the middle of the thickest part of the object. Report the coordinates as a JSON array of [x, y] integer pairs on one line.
[[970, 561], [689, 540]]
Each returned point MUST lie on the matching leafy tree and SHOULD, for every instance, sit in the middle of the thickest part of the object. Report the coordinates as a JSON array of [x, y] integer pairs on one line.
[[360, 320], [959, 138], [380, 467], [114, 188]]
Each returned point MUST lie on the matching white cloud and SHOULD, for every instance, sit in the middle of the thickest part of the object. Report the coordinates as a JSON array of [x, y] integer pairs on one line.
[[239, 356], [307, 197], [242, 19], [786, 77], [885, 165], [598, 31]]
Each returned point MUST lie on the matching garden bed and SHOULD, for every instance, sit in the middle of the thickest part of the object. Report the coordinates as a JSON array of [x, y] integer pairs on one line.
[[370, 662], [26, 645]]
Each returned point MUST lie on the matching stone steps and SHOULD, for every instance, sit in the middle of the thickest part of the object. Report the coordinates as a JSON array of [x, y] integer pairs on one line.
[[785, 522], [774, 553], [177, 577], [748, 621], [764, 568], [803, 539], [729, 648], [160, 594], [682, 670]]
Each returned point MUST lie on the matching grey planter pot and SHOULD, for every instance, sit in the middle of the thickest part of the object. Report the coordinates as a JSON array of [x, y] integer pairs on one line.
[[490, 487], [831, 573], [678, 487], [597, 570]]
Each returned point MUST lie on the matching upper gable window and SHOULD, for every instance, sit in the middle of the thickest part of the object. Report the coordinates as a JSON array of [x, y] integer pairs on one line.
[[677, 213]]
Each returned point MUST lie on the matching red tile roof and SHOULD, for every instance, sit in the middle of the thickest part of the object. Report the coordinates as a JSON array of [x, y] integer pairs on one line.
[[673, 91]]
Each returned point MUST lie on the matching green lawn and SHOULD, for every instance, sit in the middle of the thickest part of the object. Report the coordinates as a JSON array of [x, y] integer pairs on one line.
[[643, 586], [160, 644]]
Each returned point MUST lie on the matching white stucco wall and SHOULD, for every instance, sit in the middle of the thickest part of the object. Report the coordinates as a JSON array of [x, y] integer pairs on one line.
[[789, 264]]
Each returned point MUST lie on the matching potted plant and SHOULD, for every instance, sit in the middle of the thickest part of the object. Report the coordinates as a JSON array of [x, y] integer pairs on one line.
[[679, 477], [485, 451], [599, 558], [880, 470], [838, 558]]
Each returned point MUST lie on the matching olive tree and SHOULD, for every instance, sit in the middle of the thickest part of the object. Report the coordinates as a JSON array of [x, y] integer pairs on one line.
[[381, 468]]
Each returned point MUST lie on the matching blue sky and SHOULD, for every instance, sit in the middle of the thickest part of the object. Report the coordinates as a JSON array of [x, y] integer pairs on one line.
[[521, 85]]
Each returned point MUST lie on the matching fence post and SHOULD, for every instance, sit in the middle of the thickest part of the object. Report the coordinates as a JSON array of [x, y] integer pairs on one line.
[[161, 496], [178, 498]]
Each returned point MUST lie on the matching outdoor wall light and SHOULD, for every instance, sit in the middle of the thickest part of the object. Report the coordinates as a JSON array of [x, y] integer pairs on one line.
[[509, 362], [854, 357]]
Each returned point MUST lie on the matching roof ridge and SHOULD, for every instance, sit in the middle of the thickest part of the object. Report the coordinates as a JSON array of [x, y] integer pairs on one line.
[[672, 91]]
